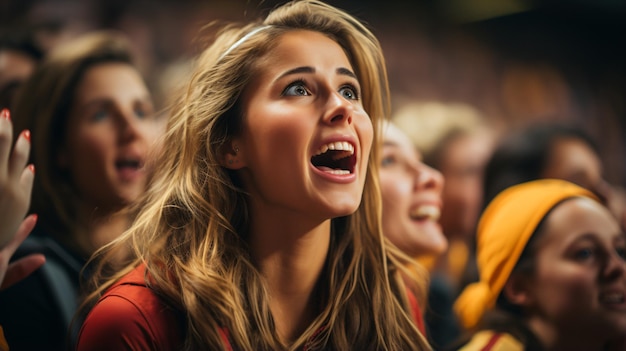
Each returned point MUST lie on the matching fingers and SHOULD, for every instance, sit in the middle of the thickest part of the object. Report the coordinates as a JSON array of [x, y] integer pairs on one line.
[[27, 179], [22, 232], [6, 138], [22, 268], [12, 161], [19, 156], [14, 272]]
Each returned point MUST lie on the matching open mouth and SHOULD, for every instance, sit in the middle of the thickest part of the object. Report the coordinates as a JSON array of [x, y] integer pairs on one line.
[[128, 164], [335, 158], [425, 212]]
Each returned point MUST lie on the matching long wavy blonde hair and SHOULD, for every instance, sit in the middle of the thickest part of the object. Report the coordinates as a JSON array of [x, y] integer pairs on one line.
[[192, 223]]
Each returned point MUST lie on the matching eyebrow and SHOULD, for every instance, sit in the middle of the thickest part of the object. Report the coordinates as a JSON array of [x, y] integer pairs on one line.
[[308, 69], [346, 72], [585, 237], [389, 143], [108, 102], [621, 236], [94, 103]]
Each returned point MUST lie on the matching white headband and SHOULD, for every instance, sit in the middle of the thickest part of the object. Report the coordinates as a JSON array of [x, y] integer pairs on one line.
[[240, 41]]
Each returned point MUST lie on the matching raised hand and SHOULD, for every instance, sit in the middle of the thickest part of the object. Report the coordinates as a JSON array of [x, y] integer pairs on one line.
[[16, 183], [16, 179]]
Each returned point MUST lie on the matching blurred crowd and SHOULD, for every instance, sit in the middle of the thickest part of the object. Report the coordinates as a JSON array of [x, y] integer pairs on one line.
[[533, 60]]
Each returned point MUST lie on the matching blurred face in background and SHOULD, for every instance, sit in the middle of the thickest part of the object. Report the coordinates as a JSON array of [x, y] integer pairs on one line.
[[411, 193], [110, 133], [578, 284], [574, 160], [462, 164]]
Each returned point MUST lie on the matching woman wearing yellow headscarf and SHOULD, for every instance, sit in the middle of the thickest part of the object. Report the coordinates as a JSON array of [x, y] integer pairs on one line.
[[552, 272]]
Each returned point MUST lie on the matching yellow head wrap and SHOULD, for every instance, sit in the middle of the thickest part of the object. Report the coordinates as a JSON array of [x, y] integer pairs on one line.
[[504, 229]]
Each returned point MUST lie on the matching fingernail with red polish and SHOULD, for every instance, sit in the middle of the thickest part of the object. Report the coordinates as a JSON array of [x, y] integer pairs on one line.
[[31, 167], [5, 114], [26, 134]]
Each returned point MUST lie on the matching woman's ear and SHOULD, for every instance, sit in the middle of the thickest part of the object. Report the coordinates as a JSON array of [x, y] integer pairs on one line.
[[232, 155], [517, 290]]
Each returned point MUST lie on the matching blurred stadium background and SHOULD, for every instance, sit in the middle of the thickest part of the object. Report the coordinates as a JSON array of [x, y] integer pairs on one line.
[[517, 61]]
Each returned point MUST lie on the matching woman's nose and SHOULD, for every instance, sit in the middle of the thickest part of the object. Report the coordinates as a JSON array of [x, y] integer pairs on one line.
[[340, 110], [428, 177], [615, 267], [128, 125]]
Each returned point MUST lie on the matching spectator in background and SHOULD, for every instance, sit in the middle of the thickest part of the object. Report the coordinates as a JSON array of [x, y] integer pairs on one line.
[[457, 141], [19, 56], [552, 270], [93, 130], [552, 150], [411, 194]]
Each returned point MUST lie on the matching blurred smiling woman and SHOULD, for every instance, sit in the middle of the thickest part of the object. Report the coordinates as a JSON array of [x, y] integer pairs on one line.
[[552, 269]]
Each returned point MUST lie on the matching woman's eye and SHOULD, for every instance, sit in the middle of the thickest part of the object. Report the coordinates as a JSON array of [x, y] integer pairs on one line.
[[99, 115], [349, 93], [296, 89], [142, 113], [387, 161], [583, 254]]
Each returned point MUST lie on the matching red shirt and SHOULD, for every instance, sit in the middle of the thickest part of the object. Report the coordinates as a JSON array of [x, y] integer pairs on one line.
[[130, 316]]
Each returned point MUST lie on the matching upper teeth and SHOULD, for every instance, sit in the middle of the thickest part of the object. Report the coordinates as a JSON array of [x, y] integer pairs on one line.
[[337, 145], [426, 211]]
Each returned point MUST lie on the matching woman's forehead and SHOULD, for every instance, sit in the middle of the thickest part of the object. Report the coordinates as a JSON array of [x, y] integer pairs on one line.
[[577, 217]]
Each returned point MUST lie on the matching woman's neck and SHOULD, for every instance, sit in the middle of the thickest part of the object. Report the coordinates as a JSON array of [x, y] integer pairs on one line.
[[100, 228], [290, 255]]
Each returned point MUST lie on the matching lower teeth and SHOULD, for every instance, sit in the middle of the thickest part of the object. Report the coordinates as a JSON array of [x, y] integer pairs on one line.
[[339, 171]]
